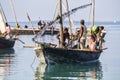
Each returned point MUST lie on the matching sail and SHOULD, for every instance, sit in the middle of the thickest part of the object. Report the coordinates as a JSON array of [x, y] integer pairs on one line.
[[2, 24]]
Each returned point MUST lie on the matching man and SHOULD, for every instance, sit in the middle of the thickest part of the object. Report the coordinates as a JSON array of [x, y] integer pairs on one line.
[[82, 35], [66, 36], [8, 31]]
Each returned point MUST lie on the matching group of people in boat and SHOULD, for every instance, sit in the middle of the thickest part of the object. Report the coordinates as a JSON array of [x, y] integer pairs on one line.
[[41, 24], [7, 33], [91, 39]]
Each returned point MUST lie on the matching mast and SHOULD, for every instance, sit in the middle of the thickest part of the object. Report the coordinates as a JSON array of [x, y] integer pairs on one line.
[[70, 23], [12, 6], [61, 23], [93, 11]]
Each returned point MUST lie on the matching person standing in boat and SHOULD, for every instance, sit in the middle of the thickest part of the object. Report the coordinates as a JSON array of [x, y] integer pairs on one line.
[[40, 25], [101, 36], [66, 37], [8, 31], [82, 35]]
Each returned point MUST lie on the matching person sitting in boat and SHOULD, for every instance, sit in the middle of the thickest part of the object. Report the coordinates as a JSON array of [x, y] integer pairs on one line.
[[96, 31], [82, 35], [92, 43], [17, 25], [66, 36], [26, 26], [8, 31]]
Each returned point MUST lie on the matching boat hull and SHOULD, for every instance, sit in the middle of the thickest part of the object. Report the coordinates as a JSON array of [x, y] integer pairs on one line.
[[30, 31], [6, 43], [58, 55]]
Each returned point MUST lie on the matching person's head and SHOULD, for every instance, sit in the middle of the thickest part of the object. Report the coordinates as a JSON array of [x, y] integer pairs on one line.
[[101, 27], [26, 26], [82, 22], [6, 24], [65, 30]]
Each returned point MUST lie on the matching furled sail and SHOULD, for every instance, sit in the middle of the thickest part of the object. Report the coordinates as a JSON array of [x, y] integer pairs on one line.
[[2, 23]]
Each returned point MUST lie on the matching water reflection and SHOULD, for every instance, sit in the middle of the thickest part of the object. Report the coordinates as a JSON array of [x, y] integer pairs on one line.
[[5, 61], [86, 71]]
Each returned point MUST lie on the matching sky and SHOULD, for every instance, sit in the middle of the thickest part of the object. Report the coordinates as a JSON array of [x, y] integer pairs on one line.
[[105, 10]]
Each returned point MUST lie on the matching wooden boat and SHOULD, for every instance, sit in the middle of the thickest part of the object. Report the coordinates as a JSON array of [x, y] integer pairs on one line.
[[65, 55], [29, 31], [62, 55], [4, 43], [6, 51]]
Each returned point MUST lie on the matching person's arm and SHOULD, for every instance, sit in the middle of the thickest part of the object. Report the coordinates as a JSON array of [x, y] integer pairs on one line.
[[58, 36], [68, 38]]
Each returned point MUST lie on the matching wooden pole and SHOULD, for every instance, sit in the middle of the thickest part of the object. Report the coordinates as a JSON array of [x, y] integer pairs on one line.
[[93, 11], [31, 23], [12, 6], [69, 17], [61, 23], [70, 23]]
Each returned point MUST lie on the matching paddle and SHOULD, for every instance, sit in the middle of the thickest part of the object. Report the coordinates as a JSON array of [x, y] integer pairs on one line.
[[104, 48], [19, 40]]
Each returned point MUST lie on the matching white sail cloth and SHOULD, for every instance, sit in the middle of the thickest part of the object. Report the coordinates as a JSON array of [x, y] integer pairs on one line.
[[2, 24]]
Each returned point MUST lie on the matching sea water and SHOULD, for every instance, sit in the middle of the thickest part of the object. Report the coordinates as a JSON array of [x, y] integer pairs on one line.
[[22, 64]]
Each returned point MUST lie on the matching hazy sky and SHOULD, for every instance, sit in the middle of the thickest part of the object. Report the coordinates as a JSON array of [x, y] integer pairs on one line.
[[105, 10]]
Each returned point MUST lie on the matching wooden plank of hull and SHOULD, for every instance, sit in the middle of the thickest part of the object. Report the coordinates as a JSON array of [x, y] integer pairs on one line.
[[6, 43], [58, 55]]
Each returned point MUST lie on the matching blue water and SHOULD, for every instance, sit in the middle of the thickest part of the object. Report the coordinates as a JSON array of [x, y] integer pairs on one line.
[[15, 64]]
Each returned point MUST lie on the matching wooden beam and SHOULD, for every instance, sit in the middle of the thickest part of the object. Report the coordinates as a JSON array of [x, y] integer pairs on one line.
[[61, 22]]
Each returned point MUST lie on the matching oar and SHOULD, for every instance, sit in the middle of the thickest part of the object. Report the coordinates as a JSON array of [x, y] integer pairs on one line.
[[19, 40], [104, 48]]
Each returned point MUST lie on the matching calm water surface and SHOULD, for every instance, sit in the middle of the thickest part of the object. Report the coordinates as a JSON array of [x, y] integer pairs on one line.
[[15, 64]]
